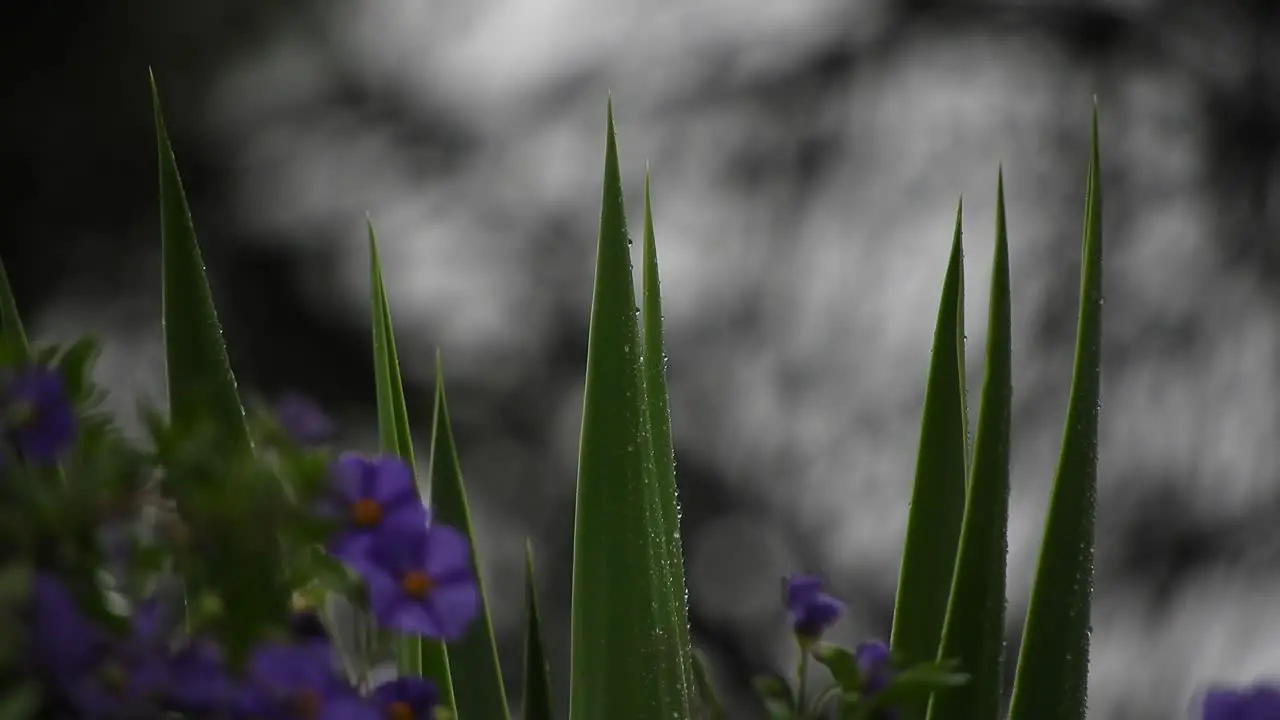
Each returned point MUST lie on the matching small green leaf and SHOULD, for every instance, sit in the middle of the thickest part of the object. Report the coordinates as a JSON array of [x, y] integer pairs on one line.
[[475, 656], [842, 665], [15, 583], [708, 697], [662, 448], [775, 693], [12, 335], [202, 388], [937, 498], [1053, 665], [623, 626], [414, 656], [537, 682], [920, 681], [974, 630], [20, 702]]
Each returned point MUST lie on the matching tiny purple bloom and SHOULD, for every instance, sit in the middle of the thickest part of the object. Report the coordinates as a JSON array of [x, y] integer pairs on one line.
[[420, 582], [298, 681], [370, 496], [874, 665], [1258, 702], [812, 610], [39, 414], [406, 698], [303, 420]]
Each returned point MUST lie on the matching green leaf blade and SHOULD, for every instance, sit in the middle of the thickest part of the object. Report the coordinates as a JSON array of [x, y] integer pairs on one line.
[[662, 449], [537, 682], [414, 656], [202, 389], [12, 334], [973, 634], [622, 629], [1052, 674], [937, 499], [475, 656]]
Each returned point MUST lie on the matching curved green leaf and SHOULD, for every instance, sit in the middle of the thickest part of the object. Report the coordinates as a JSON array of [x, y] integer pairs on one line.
[[537, 683], [937, 499], [622, 624], [475, 656], [202, 388], [414, 656], [1053, 665], [973, 633]]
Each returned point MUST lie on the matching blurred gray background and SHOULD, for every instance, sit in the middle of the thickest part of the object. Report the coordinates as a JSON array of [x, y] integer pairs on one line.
[[807, 156]]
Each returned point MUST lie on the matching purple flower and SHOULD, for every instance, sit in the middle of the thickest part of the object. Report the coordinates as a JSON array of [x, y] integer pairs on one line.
[[100, 675], [303, 420], [874, 665], [812, 610], [370, 496], [63, 641], [298, 681], [406, 698], [420, 582], [1258, 702], [39, 414], [198, 680]]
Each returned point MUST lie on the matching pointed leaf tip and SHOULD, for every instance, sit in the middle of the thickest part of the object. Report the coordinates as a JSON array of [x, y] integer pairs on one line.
[[475, 656], [202, 389], [1053, 664], [938, 494], [973, 634]]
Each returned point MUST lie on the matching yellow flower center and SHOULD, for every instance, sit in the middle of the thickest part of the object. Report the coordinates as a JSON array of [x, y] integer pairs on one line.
[[417, 584], [400, 710], [306, 704], [114, 677], [22, 412], [366, 512]]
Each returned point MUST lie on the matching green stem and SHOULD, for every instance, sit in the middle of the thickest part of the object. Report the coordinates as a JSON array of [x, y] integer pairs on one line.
[[802, 681]]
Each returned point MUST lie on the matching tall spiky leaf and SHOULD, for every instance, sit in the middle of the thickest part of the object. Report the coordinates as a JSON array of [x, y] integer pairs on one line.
[[662, 447], [11, 332], [937, 499], [414, 656], [475, 656], [1053, 665], [974, 630], [622, 624], [202, 389], [537, 683]]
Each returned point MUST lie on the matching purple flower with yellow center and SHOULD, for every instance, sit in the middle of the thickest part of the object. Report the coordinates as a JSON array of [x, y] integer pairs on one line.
[[420, 582], [1258, 702], [38, 414], [298, 681], [370, 496], [812, 610], [406, 698], [303, 420], [101, 675]]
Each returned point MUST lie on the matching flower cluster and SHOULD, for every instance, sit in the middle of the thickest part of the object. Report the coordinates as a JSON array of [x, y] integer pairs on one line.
[[869, 681], [151, 593]]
